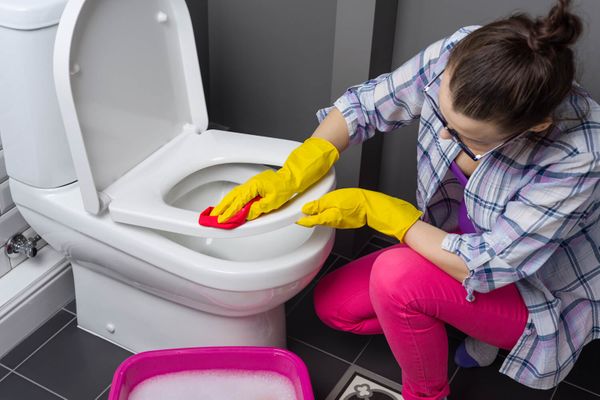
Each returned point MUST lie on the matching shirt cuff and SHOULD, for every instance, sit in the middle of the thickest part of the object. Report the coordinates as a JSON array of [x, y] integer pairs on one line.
[[344, 105], [457, 244], [351, 117], [450, 242], [453, 242]]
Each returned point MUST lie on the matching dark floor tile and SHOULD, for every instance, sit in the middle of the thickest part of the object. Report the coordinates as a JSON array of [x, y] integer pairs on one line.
[[36, 339], [339, 262], [16, 388], [569, 392], [489, 384], [367, 249], [381, 242], [72, 307], [74, 364], [378, 357], [586, 371], [325, 371], [104, 395], [3, 372], [303, 324], [455, 333]]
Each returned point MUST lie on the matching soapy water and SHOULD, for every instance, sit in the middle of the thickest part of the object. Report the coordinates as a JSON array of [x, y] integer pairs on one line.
[[216, 384]]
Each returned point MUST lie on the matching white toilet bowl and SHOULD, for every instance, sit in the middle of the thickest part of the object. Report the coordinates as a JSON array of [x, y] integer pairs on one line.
[[147, 275], [147, 289]]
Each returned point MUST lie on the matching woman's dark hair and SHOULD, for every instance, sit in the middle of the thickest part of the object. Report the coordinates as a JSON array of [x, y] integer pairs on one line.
[[515, 72]]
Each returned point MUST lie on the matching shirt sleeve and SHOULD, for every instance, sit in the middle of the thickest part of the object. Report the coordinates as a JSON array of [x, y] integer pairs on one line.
[[548, 210], [393, 99]]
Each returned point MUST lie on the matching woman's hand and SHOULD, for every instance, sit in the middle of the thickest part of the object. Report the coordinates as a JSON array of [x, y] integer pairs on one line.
[[274, 189], [308, 163], [353, 208]]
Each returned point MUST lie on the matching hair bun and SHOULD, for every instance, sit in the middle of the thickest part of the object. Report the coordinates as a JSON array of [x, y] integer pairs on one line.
[[558, 30]]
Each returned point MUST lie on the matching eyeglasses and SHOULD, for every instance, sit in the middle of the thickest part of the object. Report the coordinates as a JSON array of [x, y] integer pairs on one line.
[[453, 133]]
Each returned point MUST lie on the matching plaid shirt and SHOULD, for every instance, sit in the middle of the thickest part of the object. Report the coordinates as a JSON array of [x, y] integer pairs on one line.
[[534, 203]]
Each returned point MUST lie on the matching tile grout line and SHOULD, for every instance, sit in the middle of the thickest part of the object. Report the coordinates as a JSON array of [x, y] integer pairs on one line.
[[554, 392], [70, 312], [38, 384], [7, 374], [362, 351], [581, 388], [13, 370], [453, 375], [389, 243], [104, 391], [43, 344], [32, 332], [320, 350], [364, 246]]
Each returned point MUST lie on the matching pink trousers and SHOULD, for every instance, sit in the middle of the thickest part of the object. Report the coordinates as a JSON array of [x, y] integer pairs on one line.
[[397, 292]]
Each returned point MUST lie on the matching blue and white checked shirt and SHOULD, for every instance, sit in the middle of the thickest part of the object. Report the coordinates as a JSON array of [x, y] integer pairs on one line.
[[534, 202]]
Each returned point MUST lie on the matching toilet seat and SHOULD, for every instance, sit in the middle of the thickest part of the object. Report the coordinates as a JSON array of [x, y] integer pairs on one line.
[[138, 198], [130, 93]]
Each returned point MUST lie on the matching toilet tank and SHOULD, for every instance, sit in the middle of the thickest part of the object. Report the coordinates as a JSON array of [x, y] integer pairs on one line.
[[31, 129]]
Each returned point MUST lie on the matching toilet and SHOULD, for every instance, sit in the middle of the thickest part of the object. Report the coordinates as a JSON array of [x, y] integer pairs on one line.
[[104, 127]]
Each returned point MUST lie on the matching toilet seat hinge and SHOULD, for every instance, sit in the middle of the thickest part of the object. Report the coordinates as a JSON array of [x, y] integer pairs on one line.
[[191, 128], [104, 201]]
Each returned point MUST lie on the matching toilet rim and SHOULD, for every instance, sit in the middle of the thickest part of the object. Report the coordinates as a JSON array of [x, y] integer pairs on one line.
[[126, 128], [64, 206], [138, 198]]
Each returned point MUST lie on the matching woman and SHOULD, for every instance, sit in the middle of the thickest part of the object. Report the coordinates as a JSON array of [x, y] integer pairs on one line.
[[512, 258]]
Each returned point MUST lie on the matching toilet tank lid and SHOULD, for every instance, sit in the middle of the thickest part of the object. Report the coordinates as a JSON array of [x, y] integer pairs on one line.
[[30, 14]]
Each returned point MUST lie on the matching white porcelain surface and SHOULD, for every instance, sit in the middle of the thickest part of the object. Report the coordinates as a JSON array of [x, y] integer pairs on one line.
[[33, 135], [213, 162], [30, 14], [6, 201], [127, 84], [5, 265], [3, 174], [151, 322], [65, 208], [150, 284]]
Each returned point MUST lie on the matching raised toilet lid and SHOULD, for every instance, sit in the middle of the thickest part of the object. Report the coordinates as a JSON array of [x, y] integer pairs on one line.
[[130, 93], [128, 81]]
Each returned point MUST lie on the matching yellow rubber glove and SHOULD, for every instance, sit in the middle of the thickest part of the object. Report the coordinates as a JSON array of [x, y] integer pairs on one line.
[[308, 163], [353, 208]]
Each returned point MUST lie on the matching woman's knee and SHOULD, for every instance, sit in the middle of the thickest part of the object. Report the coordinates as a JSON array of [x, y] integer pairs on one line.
[[397, 275]]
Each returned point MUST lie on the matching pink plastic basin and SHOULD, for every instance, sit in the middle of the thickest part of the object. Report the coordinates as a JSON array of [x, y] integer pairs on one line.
[[149, 364]]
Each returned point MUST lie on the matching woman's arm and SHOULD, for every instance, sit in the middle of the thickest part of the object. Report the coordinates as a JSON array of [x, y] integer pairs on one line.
[[426, 240], [545, 212], [334, 129]]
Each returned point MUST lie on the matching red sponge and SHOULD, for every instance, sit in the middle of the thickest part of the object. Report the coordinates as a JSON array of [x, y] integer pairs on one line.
[[236, 220]]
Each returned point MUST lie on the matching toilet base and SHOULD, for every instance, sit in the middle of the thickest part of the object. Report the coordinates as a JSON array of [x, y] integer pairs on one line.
[[140, 321]]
